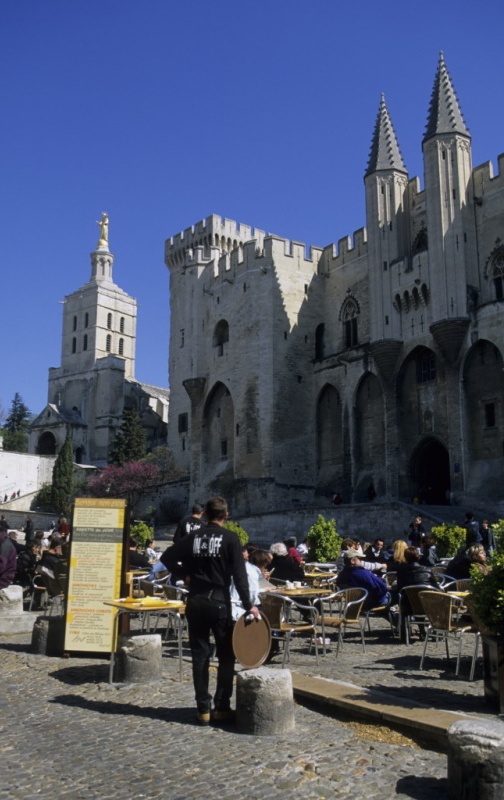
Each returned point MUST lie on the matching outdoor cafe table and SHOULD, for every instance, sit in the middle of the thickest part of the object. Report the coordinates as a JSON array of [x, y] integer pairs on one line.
[[145, 605], [309, 592]]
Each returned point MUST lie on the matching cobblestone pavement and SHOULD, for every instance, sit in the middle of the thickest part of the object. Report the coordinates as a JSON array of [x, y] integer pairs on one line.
[[67, 733]]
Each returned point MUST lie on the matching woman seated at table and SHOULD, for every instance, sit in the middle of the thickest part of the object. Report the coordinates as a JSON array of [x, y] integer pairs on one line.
[[282, 566], [412, 573], [460, 566]]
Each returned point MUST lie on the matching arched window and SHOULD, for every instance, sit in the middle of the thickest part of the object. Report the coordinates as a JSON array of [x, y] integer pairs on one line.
[[84, 342], [350, 330], [75, 323], [319, 341], [108, 343], [74, 345], [221, 336], [121, 325], [86, 319], [121, 347], [498, 274], [109, 321]]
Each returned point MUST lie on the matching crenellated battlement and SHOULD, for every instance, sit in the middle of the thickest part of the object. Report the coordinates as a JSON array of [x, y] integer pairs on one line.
[[484, 178], [346, 249], [212, 232], [209, 241]]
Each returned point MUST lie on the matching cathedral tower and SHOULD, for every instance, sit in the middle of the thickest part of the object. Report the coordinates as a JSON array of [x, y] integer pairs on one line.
[[386, 182], [449, 202]]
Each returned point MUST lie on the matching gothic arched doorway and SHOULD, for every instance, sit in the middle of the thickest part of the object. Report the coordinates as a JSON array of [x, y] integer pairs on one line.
[[430, 473], [46, 445]]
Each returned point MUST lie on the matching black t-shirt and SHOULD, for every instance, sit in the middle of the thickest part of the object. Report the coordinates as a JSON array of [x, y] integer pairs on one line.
[[187, 525], [210, 556]]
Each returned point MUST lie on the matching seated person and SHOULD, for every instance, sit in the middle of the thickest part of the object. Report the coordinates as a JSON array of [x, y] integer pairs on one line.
[[292, 551], [413, 573], [460, 566], [397, 557], [283, 567], [428, 555], [26, 565], [376, 552], [51, 566], [150, 554], [136, 559], [253, 577], [353, 544], [355, 575]]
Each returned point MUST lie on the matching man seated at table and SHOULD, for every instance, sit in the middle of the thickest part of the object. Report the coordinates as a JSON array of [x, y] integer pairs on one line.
[[137, 560], [354, 575], [353, 544]]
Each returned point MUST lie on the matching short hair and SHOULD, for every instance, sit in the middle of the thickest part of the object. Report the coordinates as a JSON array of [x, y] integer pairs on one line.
[[259, 558], [346, 544], [411, 555], [197, 509], [278, 549], [291, 541], [216, 508]]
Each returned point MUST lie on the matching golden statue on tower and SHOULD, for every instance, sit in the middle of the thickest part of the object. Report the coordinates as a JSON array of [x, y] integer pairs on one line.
[[103, 223]]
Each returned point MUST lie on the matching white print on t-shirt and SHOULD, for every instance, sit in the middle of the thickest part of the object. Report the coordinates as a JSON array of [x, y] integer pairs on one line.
[[207, 546]]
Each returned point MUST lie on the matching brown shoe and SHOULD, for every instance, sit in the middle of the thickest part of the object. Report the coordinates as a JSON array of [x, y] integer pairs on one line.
[[203, 718]]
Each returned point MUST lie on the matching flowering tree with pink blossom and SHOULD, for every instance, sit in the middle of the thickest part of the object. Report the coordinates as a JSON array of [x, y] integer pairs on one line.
[[133, 481]]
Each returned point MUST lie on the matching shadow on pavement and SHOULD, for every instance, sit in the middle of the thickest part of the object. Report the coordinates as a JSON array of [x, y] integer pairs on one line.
[[79, 674], [423, 788], [182, 715]]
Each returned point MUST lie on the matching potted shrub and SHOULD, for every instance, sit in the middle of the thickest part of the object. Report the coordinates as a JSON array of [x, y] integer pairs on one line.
[[324, 540], [487, 608], [449, 538]]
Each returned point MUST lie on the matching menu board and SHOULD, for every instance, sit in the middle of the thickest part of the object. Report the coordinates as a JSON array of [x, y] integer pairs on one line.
[[95, 569]]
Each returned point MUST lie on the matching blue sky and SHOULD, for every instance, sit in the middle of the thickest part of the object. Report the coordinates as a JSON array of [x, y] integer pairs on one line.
[[162, 112]]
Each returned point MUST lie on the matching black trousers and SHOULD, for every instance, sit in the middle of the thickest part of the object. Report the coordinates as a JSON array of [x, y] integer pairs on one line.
[[208, 614]]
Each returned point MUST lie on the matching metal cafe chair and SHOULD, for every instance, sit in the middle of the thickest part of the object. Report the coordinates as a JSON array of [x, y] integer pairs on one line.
[[278, 611]]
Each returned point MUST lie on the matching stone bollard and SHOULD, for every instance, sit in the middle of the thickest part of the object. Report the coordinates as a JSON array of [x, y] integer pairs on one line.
[[48, 636], [476, 760], [264, 701], [11, 600], [138, 659]]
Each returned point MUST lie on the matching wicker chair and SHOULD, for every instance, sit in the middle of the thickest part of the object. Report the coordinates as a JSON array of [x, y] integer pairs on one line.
[[349, 604], [439, 608], [278, 609], [411, 610]]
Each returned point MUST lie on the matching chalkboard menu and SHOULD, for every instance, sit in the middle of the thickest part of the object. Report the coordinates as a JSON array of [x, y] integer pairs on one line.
[[97, 549]]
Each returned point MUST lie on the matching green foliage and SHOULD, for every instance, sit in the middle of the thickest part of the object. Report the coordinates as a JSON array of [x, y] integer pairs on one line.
[[141, 532], [237, 528], [129, 443], [498, 529], [62, 478], [15, 431], [487, 593], [324, 540], [43, 499], [449, 538]]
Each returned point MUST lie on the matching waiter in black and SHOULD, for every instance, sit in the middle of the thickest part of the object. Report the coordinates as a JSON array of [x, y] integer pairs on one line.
[[208, 559]]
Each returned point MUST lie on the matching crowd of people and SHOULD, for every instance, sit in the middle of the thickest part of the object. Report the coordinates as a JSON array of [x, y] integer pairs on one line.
[[42, 551]]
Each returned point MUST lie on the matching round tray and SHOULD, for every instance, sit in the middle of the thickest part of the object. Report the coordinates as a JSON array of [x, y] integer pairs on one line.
[[251, 641]]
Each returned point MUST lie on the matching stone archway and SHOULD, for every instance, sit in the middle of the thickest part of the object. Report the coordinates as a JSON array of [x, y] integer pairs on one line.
[[46, 445], [430, 473]]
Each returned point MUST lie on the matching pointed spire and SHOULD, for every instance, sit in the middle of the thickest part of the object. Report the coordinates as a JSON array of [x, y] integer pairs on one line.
[[385, 152], [445, 115]]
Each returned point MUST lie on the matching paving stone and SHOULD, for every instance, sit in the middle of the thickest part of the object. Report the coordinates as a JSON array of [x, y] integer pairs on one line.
[[62, 720]]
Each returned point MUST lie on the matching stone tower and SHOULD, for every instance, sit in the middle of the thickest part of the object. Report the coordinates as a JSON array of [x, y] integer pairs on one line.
[[95, 381]]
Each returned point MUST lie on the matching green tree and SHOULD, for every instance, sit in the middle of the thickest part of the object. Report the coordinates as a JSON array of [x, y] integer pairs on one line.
[[62, 479], [237, 528], [15, 432], [129, 443], [324, 540], [448, 537]]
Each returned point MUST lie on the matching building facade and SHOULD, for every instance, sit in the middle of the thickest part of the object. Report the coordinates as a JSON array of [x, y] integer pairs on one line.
[[96, 380], [379, 359]]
